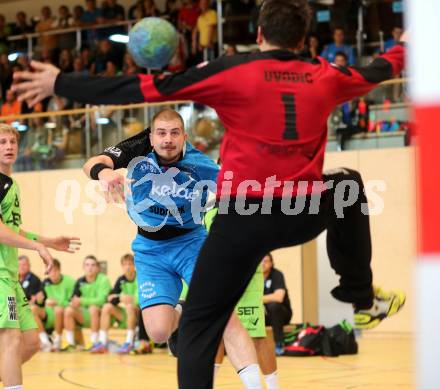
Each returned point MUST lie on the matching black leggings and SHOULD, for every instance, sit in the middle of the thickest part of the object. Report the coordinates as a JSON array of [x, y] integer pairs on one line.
[[234, 248]]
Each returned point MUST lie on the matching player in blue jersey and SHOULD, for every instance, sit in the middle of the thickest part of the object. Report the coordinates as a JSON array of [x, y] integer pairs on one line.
[[169, 182]]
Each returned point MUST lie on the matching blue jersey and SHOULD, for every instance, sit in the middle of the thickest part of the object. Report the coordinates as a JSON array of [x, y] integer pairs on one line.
[[330, 51], [172, 195]]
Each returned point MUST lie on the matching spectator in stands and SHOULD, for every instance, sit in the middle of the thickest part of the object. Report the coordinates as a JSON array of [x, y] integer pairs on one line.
[[150, 8], [341, 59], [397, 33], [49, 314], [48, 43], [231, 50], [65, 62], [172, 11], [338, 44], [312, 48], [136, 11], [110, 70], [64, 20], [89, 295], [178, 62], [188, 15], [122, 307], [276, 301], [129, 66], [20, 27], [78, 67], [78, 12], [105, 54], [11, 106], [187, 22], [205, 34], [88, 58], [91, 17], [5, 31], [29, 281], [5, 75], [112, 12]]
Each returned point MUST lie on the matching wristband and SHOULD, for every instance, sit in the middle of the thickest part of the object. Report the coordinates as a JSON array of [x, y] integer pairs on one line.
[[31, 236], [95, 170]]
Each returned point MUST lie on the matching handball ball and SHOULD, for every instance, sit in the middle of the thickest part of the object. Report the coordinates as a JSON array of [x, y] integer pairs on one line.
[[152, 43]]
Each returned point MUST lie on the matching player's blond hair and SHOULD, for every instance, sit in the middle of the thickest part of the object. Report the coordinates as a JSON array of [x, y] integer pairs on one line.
[[8, 129], [167, 114], [127, 257]]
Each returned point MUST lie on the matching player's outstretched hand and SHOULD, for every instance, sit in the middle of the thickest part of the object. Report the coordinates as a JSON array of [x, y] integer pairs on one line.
[[46, 257], [69, 244], [113, 185], [33, 87]]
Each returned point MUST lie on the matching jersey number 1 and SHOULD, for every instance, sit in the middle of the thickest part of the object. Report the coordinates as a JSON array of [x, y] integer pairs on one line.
[[290, 132]]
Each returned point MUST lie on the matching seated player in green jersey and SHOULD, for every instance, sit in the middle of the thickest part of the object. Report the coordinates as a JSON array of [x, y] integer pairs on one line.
[[18, 335], [122, 308], [49, 310], [89, 296], [250, 311]]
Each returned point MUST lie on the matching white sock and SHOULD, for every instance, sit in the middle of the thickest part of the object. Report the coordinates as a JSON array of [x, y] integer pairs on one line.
[[272, 381], [70, 337], [216, 368], [14, 387], [103, 337], [178, 308], [57, 340], [94, 337], [250, 376], [129, 338], [44, 338]]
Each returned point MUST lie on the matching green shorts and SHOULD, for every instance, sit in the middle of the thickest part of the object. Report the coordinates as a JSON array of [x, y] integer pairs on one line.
[[49, 321], [250, 308], [123, 323], [86, 317], [15, 312]]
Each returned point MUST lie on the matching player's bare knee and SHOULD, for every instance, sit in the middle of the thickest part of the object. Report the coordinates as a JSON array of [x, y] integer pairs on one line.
[[12, 343], [94, 310], [107, 308], [158, 335], [35, 309], [59, 311], [32, 343], [69, 312]]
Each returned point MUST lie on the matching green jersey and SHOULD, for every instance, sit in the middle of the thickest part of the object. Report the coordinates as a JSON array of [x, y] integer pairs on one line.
[[93, 293], [125, 286], [61, 292], [10, 215]]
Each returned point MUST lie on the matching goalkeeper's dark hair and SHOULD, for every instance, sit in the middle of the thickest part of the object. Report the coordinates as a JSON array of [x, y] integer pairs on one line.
[[284, 23]]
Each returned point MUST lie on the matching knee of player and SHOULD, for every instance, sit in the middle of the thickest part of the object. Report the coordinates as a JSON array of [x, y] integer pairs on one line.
[[158, 335], [69, 312], [94, 310], [32, 344], [12, 341], [107, 308], [35, 309], [59, 311]]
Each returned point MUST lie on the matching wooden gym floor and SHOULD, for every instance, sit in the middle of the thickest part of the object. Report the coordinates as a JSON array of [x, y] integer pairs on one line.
[[384, 362]]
